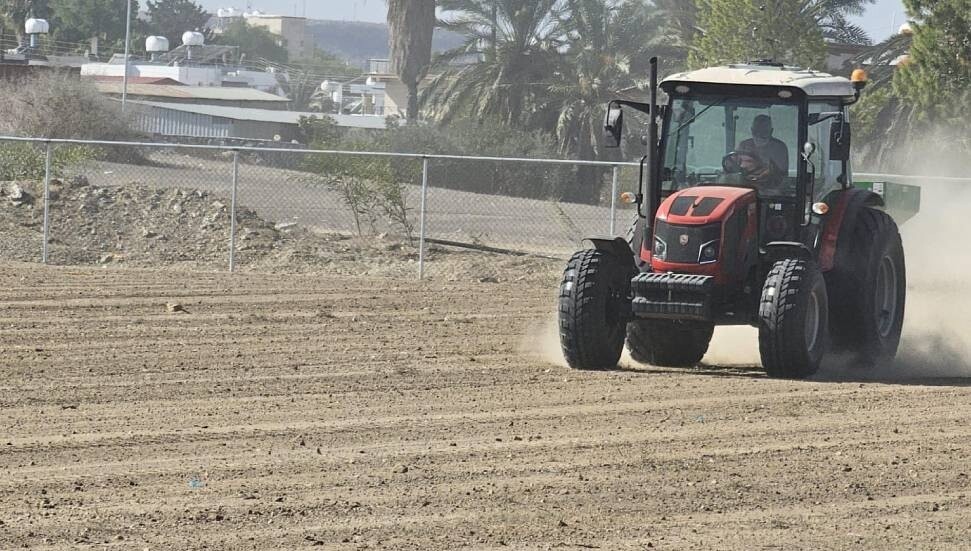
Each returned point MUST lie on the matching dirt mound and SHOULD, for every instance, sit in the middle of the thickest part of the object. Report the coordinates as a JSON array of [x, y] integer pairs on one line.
[[141, 225]]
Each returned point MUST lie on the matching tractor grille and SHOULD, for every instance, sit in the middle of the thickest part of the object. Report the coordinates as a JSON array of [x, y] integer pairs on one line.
[[693, 236]]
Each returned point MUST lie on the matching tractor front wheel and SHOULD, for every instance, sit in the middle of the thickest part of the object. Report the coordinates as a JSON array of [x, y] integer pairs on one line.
[[592, 316], [793, 319], [667, 343]]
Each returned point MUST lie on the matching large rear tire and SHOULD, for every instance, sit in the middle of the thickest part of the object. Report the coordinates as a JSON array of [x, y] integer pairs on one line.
[[635, 240], [793, 319], [591, 309], [870, 290], [666, 343]]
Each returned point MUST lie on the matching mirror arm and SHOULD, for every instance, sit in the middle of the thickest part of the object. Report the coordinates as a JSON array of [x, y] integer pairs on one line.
[[636, 105]]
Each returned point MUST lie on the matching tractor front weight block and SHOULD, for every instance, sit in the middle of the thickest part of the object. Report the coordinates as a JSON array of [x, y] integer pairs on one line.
[[672, 296]]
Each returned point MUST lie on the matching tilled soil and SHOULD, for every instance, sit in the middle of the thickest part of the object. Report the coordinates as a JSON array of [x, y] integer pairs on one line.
[[199, 410]]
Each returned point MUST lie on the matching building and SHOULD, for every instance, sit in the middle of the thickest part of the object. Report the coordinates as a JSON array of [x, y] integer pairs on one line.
[[179, 120], [292, 31], [165, 90], [187, 74]]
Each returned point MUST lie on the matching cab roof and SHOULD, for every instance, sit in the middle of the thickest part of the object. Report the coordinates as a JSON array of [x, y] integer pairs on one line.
[[812, 83]]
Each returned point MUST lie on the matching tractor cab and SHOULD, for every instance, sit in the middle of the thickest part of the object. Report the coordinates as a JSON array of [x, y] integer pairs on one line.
[[779, 131], [747, 214]]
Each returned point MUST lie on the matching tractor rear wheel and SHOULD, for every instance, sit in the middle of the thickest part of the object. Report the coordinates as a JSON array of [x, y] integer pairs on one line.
[[667, 343], [591, 309], [870, 290], [793, 319], [635, 239]]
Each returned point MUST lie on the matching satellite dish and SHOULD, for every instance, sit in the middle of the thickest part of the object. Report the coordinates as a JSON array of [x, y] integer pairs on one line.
[[370, 81], [325, 86], [192, 38], [37, 26]]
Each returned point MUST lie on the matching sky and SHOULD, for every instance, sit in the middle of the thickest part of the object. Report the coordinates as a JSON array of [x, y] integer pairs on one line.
[[880, 18]]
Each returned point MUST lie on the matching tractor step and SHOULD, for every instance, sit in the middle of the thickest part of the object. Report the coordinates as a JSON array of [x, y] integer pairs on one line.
[[672, 296]]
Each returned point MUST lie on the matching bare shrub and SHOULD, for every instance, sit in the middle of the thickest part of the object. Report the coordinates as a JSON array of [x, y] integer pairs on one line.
[[57, 105]]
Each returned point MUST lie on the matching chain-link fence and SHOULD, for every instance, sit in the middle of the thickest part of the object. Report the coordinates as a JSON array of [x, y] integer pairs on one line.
[[72, 202], [86, 202]]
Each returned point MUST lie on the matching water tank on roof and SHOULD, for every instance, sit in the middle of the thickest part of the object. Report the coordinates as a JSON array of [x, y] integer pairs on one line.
[[906, 29], [227, 12], [157, 44], [37, 26], [192, 38]]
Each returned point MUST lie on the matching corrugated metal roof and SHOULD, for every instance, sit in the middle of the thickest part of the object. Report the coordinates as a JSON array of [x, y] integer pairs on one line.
[[190, 92], [264, 115]]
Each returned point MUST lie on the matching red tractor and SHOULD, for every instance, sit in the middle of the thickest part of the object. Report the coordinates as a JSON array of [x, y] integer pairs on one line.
[[747, 215]]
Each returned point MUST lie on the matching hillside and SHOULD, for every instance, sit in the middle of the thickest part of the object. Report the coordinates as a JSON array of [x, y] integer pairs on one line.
[[357, 42]]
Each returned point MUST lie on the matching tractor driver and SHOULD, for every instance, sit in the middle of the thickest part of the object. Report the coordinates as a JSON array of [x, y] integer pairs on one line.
[[761, 161], [769, 149]]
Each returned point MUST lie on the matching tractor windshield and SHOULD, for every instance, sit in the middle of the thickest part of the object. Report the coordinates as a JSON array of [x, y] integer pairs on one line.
[[726, 140]]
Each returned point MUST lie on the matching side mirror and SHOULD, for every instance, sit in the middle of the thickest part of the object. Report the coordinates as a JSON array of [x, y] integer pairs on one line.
[[613, 125], [839, 140]]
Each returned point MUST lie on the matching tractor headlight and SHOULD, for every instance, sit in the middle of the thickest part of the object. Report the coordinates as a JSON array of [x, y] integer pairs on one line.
[[708, 252], [660, 248]]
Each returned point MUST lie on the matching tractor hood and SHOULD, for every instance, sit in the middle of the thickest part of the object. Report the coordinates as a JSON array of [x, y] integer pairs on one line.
[[701, 205]]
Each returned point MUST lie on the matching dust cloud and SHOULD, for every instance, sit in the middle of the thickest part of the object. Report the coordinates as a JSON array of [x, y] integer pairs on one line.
[[542, 341]]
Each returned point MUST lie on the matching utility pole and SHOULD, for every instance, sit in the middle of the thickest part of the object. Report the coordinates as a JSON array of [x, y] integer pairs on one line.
[[124, 79], [495, 30]]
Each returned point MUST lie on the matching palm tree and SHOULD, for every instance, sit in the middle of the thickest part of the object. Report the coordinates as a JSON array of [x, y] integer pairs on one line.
[[411, 24], [832, 17], [607, 45], [680, 27], [504, 65]]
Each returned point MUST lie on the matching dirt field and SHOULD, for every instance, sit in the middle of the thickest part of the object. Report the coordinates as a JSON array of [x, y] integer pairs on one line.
[[343, 412]]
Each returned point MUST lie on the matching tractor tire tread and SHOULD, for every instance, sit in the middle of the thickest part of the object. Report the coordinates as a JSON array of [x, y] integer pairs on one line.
[[585, 335]]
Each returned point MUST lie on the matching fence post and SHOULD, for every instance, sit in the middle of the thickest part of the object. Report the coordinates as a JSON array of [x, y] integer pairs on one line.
[[232, 213], [47, 202], [613, 200], [422, 216]]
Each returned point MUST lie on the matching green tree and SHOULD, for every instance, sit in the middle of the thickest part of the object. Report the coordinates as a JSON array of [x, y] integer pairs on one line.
[[171, 18], [503, 68], [301, 79], [937, 78], [81, 20], [738, 30], [14, 13], [410, 27], [253, 42]]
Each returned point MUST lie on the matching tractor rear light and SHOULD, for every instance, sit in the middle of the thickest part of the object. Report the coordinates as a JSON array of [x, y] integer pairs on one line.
[[628, 197]]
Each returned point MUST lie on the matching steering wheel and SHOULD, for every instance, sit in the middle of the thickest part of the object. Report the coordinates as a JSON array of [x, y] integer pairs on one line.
[[732, 165]]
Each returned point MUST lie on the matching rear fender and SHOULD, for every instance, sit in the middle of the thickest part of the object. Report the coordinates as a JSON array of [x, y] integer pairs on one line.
[[839, 225]]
